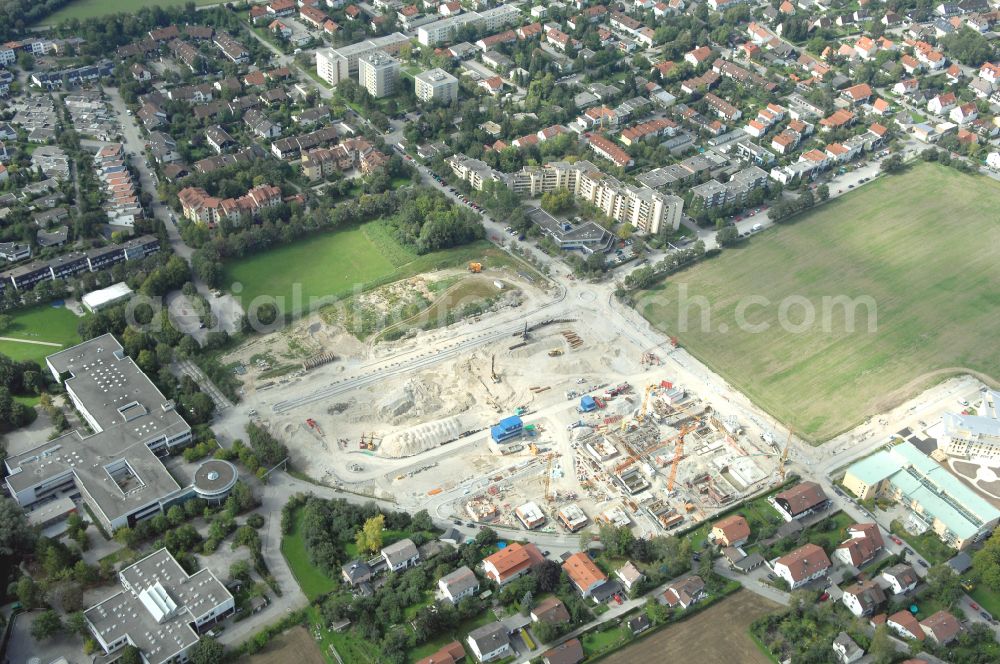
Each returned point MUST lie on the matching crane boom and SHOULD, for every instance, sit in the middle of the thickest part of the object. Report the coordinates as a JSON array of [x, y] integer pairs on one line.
[[679, 452]]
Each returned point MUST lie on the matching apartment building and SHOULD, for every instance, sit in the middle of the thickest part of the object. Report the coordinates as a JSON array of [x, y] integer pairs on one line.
[[378, 73], [335, 64], [436, 85], [489, 20], [734, 192], [975, 435], [198, 206]]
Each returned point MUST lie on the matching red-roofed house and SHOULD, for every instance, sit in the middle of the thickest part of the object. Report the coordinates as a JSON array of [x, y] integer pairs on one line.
[[512, 562], [698, 55], [904, 624], [863, 544], [857, 94], [731, 531], [584, 574], [942, 103], [941, 628], [805, 564]]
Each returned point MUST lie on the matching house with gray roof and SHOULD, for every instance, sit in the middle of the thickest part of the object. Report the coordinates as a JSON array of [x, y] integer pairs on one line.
[[401, 555]]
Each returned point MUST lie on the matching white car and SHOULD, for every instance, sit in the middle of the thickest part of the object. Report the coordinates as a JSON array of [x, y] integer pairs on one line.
[[755, 228]]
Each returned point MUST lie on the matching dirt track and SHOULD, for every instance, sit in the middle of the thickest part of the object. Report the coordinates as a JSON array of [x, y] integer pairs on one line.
[[718, 635]]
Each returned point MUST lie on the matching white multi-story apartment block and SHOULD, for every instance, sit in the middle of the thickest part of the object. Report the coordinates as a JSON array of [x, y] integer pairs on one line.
[[489, 20], [335, 64], [974, 436], [436, 85], [378, 73]]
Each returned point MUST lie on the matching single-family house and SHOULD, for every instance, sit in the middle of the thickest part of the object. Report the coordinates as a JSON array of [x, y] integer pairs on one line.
[[807, 563], [685, 593], [459, 584], [901, 578], [401, 555], [731, 531]]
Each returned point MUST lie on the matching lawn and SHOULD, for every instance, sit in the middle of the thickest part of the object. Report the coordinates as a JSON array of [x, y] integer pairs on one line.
[[40, 323], [83, 9], [916, 254], [595, 643], [312, 580], [987, 598], [333, 265], [349, 646]]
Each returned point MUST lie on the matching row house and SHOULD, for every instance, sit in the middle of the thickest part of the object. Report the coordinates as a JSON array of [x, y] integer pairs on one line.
[[198, 206], [232, 49], [723, 108], [604, 147], [742, 75], [766, 118], [321, 162], [290, 148], [260, 125], [652, 128]]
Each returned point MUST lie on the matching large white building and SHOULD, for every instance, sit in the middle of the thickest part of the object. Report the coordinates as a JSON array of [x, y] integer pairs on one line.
[[436, 85], [489, 20], [161, 610], [974, 436], [378, 73], [336, 64], [647, 210], [116, 469]]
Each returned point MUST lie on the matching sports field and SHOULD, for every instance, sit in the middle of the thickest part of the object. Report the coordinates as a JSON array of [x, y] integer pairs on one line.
[[335, 264], [83, 9], [43, 323], [924, 246]]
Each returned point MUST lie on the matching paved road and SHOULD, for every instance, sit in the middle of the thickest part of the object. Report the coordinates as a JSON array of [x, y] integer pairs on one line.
[[227, 310]]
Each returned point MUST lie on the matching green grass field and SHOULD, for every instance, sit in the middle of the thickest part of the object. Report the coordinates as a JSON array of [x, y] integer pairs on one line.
[[337, 264], [82, 9], [41, 323], [923, 246], [311, 579]]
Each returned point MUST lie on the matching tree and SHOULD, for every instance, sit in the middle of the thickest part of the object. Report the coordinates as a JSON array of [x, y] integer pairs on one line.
[[130, 655], [28, 593], [422, 521], [656, 612], [47, 624], [881, 648], [986, 562], [728, 236], [486, 537], [369, 538], [891, 164], [557, 201], [527, 603], [823, 192], [207, 651], [16, 536], [944, 584], [77, 623], [548, 574]]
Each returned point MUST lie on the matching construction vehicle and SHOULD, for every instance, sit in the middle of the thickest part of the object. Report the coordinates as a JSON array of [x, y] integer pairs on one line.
[[475, 268], [493, 369], [314, 426], [533, 449], [555, 352], [679, 452]]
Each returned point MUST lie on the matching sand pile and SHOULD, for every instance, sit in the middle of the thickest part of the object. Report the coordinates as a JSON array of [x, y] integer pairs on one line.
[[421, 438]]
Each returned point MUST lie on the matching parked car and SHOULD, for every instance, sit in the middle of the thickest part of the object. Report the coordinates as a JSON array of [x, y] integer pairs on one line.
[[922, 563], [896, 540], [986, 616], [824, 597]]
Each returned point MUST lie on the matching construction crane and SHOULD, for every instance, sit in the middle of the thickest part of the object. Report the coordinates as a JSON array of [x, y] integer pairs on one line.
[[493, 369], [679, 452], [642, 409], [641, 453], [784, 455]]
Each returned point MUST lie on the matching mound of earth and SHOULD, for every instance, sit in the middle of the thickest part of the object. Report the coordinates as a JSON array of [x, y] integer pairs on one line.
[[421, 438]]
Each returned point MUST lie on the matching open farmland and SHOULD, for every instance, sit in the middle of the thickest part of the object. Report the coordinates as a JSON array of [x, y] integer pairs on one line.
[[339, 263], [84, 9], [923, 246], [720, 633], [38, 332]]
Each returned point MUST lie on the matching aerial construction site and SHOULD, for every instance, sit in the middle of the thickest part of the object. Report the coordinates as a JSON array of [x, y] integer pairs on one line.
[[556, 419]]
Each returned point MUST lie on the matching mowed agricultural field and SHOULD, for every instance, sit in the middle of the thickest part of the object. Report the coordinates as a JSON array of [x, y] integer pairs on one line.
[[83, 9], [339, 263], [295, 645], [720, 633], [923, 245], [42, 323]]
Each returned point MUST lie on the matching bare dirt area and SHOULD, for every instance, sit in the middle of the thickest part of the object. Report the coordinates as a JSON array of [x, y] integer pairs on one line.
[[720, 634]]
